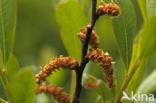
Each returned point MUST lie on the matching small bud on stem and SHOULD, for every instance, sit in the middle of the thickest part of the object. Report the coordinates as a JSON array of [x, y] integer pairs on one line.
[[110, 9], [94, 39]]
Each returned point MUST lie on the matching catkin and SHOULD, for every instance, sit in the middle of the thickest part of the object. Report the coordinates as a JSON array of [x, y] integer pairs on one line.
[[56, 63], [54, 91], [105, 61], [94, 39], [109, 9]]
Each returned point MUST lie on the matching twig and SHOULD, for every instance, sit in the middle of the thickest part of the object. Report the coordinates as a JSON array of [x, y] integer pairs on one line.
[[84, 61], [126, 81]]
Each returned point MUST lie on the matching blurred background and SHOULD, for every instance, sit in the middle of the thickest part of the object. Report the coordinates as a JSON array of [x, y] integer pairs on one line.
[[38, 39]]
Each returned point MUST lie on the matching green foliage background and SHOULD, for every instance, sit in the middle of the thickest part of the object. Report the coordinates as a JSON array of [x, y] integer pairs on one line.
[[41, 30]]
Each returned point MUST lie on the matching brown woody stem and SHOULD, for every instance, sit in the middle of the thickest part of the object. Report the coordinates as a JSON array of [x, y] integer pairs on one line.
[[84, 60]]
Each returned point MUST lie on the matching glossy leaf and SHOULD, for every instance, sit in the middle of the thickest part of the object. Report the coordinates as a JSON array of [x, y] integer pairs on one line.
[[102, 89], [12, 65], [139, 16], [124, 29], [137, 78], [22, 87], [138, 75], [3, 101], [143, 7], [43, 98], [149, 84], [70, 18], [99, 99], [1, 60], [119, 72], [7, 26], [151, 7], [86, 5], [135, 54], [148, 38], [2, 92], [104, 31], [46, 53]]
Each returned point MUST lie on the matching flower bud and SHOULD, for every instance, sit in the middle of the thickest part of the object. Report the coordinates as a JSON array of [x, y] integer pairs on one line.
[[54, 91], [110, 9], [56, 63], [105, 62], [94, 39]]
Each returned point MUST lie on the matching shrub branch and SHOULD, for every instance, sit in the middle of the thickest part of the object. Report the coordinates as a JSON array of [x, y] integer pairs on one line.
[[84, 60]]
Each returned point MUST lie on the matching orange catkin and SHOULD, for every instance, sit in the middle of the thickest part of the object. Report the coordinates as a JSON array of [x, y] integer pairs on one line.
[[56, 63], [109, 9], [105, 61], [54, 91], [94, 39]]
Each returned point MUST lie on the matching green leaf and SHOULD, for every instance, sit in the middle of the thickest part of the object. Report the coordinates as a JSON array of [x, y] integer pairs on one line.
[[149, 84], [124, 29], [139, 16], [104, 31], [138, 75], [22, 87], [135, 54], [12, 65], [7, 26], [43, 98], [119, 72], [102, 90], [151, 7], [2, 91], [142, 4], [46, 53], [137, 78], [3, 101], [98, 3], [86, 5], [55, 2], [148, 38], [99, 99], [1, 60], [70, 18], [58, 77]]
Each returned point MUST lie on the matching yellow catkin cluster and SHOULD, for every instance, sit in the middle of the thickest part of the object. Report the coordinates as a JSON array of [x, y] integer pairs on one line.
[[94, 39], [105, 61], [56, 63], [110, 9], [54, 91]]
